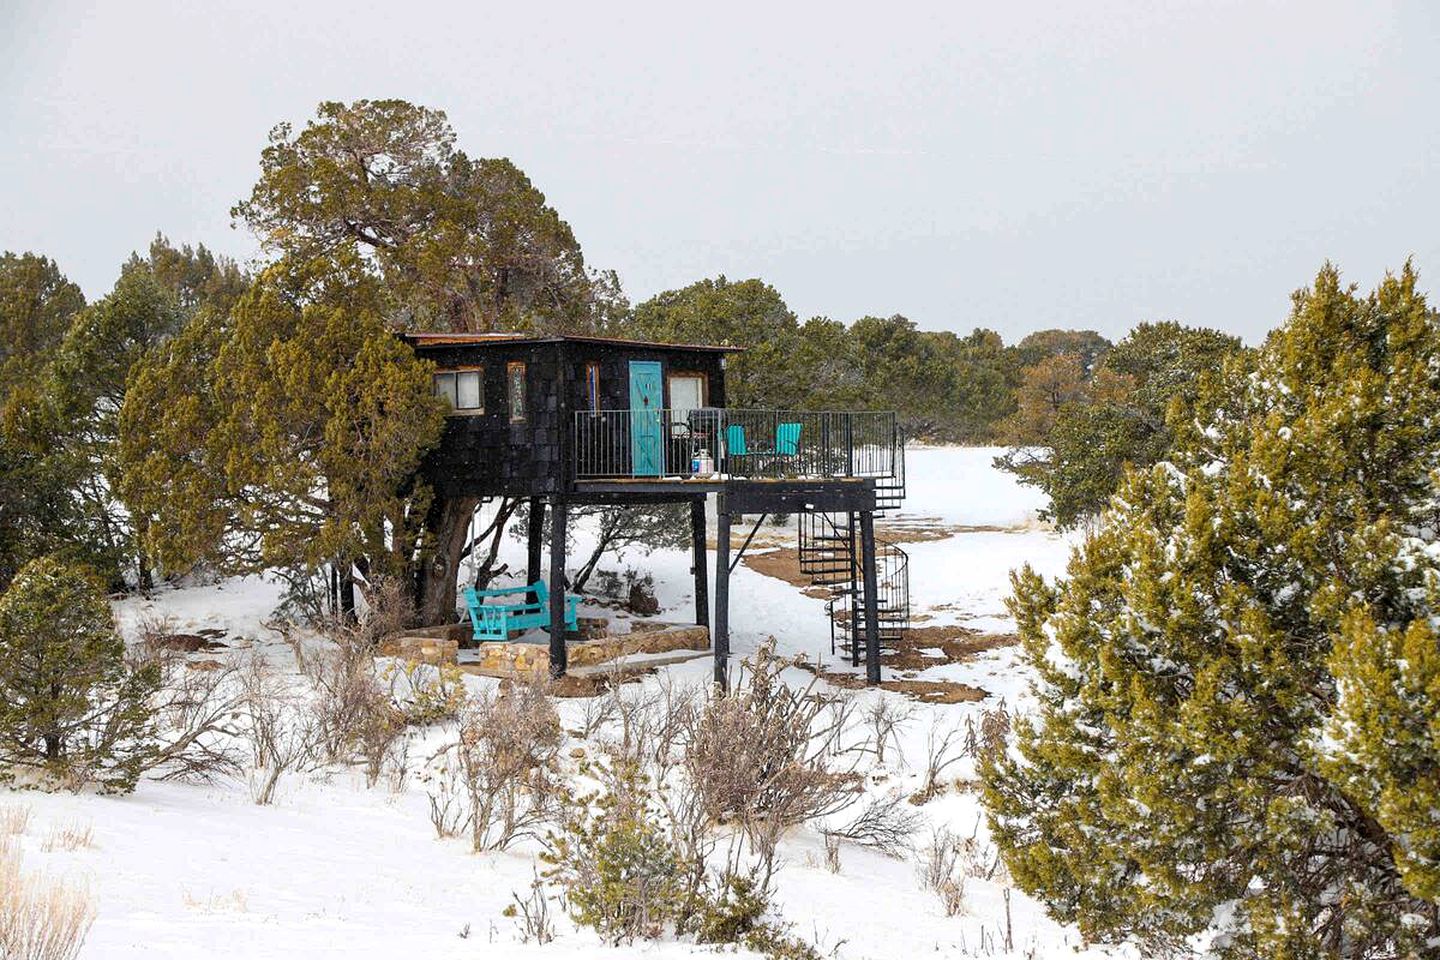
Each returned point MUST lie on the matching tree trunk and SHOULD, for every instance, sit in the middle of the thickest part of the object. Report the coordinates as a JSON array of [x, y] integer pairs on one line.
[[447, 528]]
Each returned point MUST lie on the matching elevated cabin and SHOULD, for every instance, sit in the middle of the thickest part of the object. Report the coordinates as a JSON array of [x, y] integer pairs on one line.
[[581, 419]]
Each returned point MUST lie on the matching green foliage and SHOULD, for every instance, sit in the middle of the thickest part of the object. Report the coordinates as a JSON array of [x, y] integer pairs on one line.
[[63, 380], [285, 436], [1236, 695], [1092, 430], [70, 707], [943, 386], [37, 513], [1087, 345], [620, 873], [732, 911], [747, 313], [459, 243], [36, 305]]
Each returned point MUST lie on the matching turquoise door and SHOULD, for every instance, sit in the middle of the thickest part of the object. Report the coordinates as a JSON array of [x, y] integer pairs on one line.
[[647, 439]]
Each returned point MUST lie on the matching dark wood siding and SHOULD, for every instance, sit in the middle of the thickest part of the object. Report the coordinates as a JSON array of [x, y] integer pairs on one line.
[[485, 454]]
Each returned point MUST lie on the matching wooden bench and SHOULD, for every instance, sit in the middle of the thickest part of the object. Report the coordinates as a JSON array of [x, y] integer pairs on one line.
[[495, 621]]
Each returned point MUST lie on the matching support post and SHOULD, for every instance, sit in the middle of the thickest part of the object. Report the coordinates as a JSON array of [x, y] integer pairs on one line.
[[535, 533], [557, 588], [872, 610], [697, 562], [721, 638], [347, 591]]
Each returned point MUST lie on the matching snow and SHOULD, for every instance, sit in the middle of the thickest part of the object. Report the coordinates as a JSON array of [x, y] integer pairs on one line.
[[335, 869]]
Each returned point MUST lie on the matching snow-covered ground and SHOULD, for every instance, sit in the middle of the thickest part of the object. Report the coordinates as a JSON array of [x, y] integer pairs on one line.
[[334, 869]]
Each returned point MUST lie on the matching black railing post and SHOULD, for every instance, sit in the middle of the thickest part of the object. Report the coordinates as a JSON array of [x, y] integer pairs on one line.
[[698, 559], [872, 611], [535, 539], [558, 655], [849, 444], [721, 639]]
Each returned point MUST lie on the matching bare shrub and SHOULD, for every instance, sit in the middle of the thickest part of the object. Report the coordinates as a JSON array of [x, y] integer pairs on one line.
[[943, 749], [359, 715], [444, 777], [279, 727], [832, 851], [197, 738], [424, 694], [988, 738], [507, 748], [884, 824], [597, 714], [532, 914], [885, 718], [73, 835], [941, 870], [762, 754], [40, 919], [14, 818]]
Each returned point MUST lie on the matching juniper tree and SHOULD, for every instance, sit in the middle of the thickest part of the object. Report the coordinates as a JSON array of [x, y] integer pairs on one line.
[[70, 706], [1090, 433], [286, 434], [1235, 733]]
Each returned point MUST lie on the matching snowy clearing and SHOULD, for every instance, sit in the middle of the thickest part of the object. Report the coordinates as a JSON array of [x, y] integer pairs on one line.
[[335, 869]]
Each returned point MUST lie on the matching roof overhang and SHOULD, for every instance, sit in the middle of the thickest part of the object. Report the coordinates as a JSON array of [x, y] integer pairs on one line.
[[488, 339]]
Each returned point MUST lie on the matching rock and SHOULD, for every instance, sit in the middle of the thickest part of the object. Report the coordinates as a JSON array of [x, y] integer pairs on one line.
[[186, 642], [435, 651]]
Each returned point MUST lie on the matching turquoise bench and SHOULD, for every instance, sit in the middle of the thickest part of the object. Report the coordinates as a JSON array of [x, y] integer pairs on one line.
[[495, 621]]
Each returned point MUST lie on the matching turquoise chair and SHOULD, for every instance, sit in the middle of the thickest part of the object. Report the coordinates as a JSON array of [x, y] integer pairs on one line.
[[787, 444], [735, 440], [787, 439], [496, 621]]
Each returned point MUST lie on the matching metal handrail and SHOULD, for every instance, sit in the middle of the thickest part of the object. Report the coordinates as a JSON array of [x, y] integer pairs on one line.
[[727, 442]]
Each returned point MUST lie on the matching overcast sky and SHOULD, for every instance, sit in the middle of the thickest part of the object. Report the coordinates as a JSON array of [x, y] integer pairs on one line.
[[1003, 164]]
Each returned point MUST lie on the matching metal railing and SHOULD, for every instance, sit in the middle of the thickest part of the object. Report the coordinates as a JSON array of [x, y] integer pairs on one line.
[[722, 442]]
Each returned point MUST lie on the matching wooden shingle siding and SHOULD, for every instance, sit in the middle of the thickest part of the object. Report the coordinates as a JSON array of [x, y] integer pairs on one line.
[[486, 454]]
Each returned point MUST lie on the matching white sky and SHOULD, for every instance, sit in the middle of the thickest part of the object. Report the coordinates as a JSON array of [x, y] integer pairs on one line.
[[1008, 165]]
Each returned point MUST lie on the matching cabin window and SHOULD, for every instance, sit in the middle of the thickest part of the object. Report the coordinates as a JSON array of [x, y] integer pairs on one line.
[[687, 392], [516, 374], [464, 390], [592, 387]]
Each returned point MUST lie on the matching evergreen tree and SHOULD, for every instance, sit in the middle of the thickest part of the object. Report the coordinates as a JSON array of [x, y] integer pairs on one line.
[[1089, 432], [1228, 743], [287, 436], [37, 511], [70, 707], [745, 313]]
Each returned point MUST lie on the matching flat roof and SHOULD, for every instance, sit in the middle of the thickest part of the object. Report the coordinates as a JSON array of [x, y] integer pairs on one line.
[[478, 339]]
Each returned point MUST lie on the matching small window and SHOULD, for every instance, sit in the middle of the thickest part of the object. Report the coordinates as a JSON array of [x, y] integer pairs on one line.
[[516, 375], [469, 394], [464, 390], [445, 387], [687, 392], [592, 387]]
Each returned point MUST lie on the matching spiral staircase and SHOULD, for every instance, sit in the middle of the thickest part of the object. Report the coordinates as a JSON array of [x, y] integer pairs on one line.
[[829, 549]]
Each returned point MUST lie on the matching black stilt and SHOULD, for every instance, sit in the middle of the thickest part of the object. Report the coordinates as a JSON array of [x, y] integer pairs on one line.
[[347, 591], [557, 588], [698, 558], [721, 638], [536, 539], [872, 611]]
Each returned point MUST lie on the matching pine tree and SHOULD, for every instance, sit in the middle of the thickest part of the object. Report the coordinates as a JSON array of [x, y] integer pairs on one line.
[[1226, 744]]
